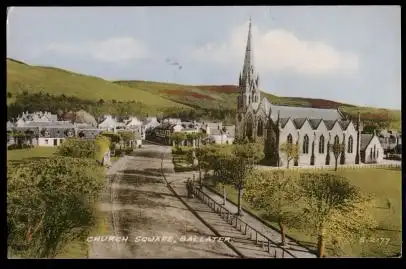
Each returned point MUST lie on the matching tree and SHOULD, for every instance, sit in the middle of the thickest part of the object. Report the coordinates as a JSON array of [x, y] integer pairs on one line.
[[50, 202], [235, 169], [84, 117], [334, 210], [127, 137], [114, 138], [178, 137], [274, 193], [337, 150], [291, 152]]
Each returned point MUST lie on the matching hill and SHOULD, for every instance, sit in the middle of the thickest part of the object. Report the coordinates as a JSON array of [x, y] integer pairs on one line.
[[157, 96]]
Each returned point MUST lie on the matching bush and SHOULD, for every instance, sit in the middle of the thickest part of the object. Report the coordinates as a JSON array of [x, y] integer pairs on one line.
[[78, 148], [102, 146], [50, 202]]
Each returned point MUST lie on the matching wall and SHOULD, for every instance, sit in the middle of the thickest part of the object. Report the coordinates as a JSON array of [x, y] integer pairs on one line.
[[42, 142]]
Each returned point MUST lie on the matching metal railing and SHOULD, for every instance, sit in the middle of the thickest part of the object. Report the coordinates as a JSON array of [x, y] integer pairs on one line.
[[242, 226]]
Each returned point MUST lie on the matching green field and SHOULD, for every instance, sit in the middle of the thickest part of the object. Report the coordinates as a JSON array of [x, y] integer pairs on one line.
[[158, 96], [23, 155], [385, 185]]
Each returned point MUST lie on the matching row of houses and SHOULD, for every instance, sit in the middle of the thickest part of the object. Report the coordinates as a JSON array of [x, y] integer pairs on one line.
[[44, 129], [216, 131]]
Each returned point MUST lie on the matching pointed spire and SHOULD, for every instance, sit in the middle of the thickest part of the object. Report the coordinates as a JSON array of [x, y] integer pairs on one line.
[[248, 52]]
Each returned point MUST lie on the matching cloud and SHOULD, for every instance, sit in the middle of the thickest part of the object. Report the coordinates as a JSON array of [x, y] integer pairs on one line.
[[113, 50], [278, 50]]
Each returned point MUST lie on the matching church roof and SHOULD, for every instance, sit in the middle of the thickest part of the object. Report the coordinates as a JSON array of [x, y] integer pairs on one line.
[[314, 123], [329, 124], [365, 140], [283, 122], [344, 124], [303, 112], [299, 122]]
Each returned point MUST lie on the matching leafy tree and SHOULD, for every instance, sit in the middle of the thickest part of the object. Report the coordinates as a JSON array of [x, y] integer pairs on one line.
[[235, 169], [178, 137], [50, 202], [127, 137], [275, 193], [77, 148], [334, 210], [291, 152]]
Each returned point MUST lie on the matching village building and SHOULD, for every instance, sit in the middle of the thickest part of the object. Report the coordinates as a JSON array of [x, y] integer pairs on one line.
[[313, 130], [86, 131], [150, 123], [371, 149], [391, 141], [164, 131], [109, 124]]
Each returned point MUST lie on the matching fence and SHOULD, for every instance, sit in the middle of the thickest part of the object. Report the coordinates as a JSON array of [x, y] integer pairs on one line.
[[339, 167], [242, 226]]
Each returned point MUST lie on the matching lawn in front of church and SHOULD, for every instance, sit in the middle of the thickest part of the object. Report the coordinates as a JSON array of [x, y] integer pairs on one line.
[[385, 185]]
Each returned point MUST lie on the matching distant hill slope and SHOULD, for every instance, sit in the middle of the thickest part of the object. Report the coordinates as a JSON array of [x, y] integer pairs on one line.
[[22, 77]]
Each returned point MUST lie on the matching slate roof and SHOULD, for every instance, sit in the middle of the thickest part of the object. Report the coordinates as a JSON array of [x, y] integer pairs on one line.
[[35, 130], [283, 121], [344, 124], [55, 124], [89, 132], [300, 112], [299, 122], [329, 124], [365, 140], [314, 123], [56, 132]]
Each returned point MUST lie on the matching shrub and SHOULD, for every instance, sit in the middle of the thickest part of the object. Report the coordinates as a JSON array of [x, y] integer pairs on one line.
[[49, 203], [78, 148], [102, 146]]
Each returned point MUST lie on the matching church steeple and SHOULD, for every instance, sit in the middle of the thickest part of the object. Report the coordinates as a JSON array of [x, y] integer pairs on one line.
[[249, 92]]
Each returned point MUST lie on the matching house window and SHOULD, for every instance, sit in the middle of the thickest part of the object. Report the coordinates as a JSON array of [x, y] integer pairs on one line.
[[260, 127], [370, 154], [306, 144], [46, 142], [289, 139], [350, 144], [374, 151], [321, 144]]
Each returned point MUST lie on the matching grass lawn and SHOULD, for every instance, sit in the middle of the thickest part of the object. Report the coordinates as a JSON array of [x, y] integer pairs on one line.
[[23, 155], [385, 185]]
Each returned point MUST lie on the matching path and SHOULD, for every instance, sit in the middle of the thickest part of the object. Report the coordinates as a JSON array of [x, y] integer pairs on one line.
[[143, 206]]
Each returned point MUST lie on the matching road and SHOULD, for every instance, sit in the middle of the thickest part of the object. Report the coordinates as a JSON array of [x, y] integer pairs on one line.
[[143, 206]]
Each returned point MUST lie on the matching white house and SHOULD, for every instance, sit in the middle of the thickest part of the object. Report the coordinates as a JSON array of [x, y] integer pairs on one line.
[[109, 124], [371, 149], [150, 123], [133, 121], [219, 136]]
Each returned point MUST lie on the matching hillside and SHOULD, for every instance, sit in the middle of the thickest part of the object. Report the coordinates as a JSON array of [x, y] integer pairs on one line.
[[32, 79], [158, 96]]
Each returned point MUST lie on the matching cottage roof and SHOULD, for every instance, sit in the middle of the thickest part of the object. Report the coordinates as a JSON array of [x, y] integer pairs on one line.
[[89, 133], [365, 140]]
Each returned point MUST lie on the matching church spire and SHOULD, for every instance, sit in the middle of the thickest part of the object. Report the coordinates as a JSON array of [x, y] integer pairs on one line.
[[248, 52]]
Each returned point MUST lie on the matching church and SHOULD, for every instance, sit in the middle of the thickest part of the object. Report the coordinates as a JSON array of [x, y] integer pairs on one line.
[[314, 130]]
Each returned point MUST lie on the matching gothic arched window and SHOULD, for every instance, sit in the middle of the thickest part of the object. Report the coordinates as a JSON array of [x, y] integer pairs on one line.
[[350, 144], [290, 139], [321, 144], [306, 144], [336, 140], [260, 128]]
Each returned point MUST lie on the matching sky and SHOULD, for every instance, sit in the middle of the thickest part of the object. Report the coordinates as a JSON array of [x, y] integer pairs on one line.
[[349, 54]]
